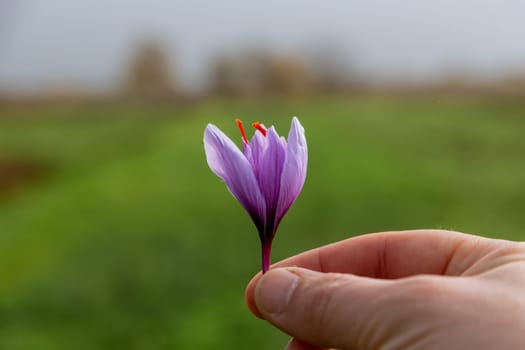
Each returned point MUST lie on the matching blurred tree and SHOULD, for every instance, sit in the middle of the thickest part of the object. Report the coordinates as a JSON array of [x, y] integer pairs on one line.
[[150, 76], [331, 70], [257, 73], [286, 75], [223, 77]]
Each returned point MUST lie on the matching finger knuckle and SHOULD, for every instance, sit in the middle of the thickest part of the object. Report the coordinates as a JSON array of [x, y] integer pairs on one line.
[[428, 292]]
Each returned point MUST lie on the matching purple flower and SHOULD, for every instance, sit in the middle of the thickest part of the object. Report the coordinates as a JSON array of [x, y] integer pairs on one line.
[[266, 177]]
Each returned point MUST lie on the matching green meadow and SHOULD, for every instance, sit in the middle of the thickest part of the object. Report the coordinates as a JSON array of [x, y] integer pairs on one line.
[[122, 238]]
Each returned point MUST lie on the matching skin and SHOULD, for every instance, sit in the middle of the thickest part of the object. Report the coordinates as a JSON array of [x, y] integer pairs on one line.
[[424, 289]]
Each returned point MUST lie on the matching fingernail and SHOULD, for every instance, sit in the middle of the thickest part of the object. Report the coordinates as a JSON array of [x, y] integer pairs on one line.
[[274, 290]]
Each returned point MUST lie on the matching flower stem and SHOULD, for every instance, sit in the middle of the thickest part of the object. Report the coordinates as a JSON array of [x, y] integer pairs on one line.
[[266, 250]]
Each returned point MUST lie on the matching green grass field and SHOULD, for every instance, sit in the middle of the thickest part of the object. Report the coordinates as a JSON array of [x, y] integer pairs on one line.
[[129, 241]]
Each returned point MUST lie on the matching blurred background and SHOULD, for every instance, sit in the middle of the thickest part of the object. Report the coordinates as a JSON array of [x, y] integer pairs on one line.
[[114, 234]]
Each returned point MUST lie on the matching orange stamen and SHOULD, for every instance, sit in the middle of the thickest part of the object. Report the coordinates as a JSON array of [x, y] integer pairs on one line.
[[259, 127], [243, 134]]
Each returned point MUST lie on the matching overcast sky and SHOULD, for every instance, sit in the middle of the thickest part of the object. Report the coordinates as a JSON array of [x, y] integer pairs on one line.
[[87, 42]]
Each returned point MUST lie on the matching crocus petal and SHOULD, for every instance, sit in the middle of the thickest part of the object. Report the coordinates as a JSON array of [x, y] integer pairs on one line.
[[230, 164], [269, 177], [257, 146], [294, 169]]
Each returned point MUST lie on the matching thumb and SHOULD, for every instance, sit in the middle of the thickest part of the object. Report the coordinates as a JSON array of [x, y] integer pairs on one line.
[[324, 309]]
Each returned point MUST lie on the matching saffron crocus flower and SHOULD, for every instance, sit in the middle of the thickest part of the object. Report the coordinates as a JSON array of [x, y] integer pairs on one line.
[[266, 176]]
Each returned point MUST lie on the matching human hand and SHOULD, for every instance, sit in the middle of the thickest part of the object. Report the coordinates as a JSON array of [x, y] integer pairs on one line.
[[424, 289]]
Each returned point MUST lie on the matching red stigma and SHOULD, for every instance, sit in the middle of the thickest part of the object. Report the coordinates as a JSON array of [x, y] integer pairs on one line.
[[243, 134], [259, 127]]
